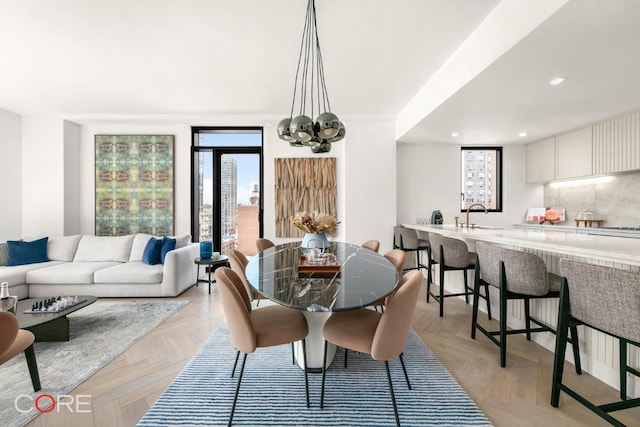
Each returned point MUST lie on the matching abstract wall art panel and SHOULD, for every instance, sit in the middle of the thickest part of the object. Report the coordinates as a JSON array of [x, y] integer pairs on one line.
[[303, 184], [134, 184]]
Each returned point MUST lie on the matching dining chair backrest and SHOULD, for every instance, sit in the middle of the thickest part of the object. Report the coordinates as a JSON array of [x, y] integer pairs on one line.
[[374, 245], [525, 272], [456, 251], [263, 244], [236, 310], [604, 297], [393, 329], [396, 257], [405, 238], [238, 263], [8, 331]]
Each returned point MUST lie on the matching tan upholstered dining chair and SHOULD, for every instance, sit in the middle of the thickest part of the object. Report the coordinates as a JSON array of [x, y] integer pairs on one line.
[[238, 262], [264, 327], [13, 341], [382, 335], [264, 244], [374, 245]]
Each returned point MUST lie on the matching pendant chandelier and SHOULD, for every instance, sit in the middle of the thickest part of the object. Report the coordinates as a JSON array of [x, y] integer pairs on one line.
[[310, 92]]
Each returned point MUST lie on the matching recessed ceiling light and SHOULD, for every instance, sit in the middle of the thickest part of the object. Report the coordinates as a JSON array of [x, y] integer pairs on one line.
[[454, 134], [522, 134], [556, 81]]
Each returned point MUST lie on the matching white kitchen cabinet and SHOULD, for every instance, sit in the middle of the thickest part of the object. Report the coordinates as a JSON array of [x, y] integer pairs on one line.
[[616, 144], [574, 154], [541, 161]]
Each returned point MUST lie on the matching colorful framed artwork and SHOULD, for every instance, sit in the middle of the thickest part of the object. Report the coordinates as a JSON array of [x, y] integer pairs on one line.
[[134, 185]]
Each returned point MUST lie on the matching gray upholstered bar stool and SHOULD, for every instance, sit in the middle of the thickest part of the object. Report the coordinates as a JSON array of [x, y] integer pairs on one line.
[[408, 240], [518, 275], [453, 255], [608, 300]]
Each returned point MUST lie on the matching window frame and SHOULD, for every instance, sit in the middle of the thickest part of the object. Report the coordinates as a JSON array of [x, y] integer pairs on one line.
[[496, 168]]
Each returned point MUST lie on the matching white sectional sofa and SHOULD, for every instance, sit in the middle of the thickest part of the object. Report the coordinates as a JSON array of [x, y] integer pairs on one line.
[[104, 267]]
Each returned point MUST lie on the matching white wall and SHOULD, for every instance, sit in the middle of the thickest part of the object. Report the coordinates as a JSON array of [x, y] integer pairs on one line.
[[11, 175], [63, 201], [72, 179], [429, 179], [42, 176]]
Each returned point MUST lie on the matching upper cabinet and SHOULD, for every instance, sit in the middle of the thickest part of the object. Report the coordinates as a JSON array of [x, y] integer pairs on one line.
[[541, 161], [616, 144], [574, 154]]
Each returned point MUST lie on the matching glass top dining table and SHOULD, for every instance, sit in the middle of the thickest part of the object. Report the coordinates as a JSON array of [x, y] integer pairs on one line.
[[363, 277]]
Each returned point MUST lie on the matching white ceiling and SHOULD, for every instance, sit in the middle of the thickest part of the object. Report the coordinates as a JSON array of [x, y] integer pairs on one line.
[[106, 58]]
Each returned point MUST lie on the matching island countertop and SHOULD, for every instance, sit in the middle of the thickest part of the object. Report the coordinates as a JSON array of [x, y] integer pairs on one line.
[[613, 249]]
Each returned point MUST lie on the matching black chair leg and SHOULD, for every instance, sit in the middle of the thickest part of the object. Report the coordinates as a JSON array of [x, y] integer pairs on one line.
[[346, 354], [503, 325], [404, 369], [293, 354], [235, 398], [30, 355], [466, 286], [561, 344], [527, 318], [233, 372], [487, 299], [623, 369], [576, 349], [324, 370], [441, 297], [476, 295], [393, 396], [306, 376]]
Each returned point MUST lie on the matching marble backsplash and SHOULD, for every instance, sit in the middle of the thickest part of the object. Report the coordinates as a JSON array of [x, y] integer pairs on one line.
[[617, 201]]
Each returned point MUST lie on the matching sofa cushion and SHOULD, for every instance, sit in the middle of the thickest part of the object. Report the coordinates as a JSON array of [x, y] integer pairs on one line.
[[151, 254], [20, 252], [104, 248], [3, 254], [130, 272], [18, 274], [70, 273], [168, 244], [63, 248], [140, 242]]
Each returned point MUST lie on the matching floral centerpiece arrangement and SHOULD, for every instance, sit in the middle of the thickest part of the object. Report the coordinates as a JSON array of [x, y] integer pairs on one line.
[[315, 223]]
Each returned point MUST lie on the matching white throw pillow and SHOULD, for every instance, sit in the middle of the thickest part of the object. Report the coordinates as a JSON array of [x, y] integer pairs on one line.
[[62, 248], [104, 248], [139, 243]]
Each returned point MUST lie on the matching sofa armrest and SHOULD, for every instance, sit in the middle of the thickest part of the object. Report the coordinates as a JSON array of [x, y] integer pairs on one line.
[[179, 271]]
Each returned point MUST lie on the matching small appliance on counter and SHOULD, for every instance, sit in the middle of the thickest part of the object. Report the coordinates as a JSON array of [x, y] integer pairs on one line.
[[436, 217]]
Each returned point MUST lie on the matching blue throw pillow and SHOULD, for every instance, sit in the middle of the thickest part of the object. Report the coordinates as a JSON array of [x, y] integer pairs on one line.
[[20, 253], [151, 254], [168, 244]]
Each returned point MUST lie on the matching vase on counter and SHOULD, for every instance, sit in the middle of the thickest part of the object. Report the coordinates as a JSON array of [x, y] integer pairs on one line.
[[315, 240]]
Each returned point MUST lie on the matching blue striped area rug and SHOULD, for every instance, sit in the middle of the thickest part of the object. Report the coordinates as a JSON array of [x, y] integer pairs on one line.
[[272, 391]]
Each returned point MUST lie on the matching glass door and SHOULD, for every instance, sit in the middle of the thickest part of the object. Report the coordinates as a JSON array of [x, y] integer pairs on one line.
[[226, 183]]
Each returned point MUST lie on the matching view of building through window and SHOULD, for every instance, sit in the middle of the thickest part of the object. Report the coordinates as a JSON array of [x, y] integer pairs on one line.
[[228, 189], [481, 178]]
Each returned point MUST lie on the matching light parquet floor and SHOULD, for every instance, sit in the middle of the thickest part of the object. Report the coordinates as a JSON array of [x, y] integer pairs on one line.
[[517, 395]]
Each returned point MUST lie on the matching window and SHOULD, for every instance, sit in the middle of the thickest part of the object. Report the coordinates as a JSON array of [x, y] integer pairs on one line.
[[485, 164], [226, 182]]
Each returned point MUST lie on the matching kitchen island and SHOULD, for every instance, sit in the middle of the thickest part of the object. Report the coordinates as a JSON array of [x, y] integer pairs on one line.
[[599, 352]]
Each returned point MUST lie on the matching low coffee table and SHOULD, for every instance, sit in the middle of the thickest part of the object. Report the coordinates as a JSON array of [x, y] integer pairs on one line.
[[49, 326]]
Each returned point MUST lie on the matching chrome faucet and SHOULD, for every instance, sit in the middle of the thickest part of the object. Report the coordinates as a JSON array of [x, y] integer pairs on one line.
[[470, 206]]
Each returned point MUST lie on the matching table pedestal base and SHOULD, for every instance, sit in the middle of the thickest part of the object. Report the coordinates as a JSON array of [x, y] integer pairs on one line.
[[315, 343]]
